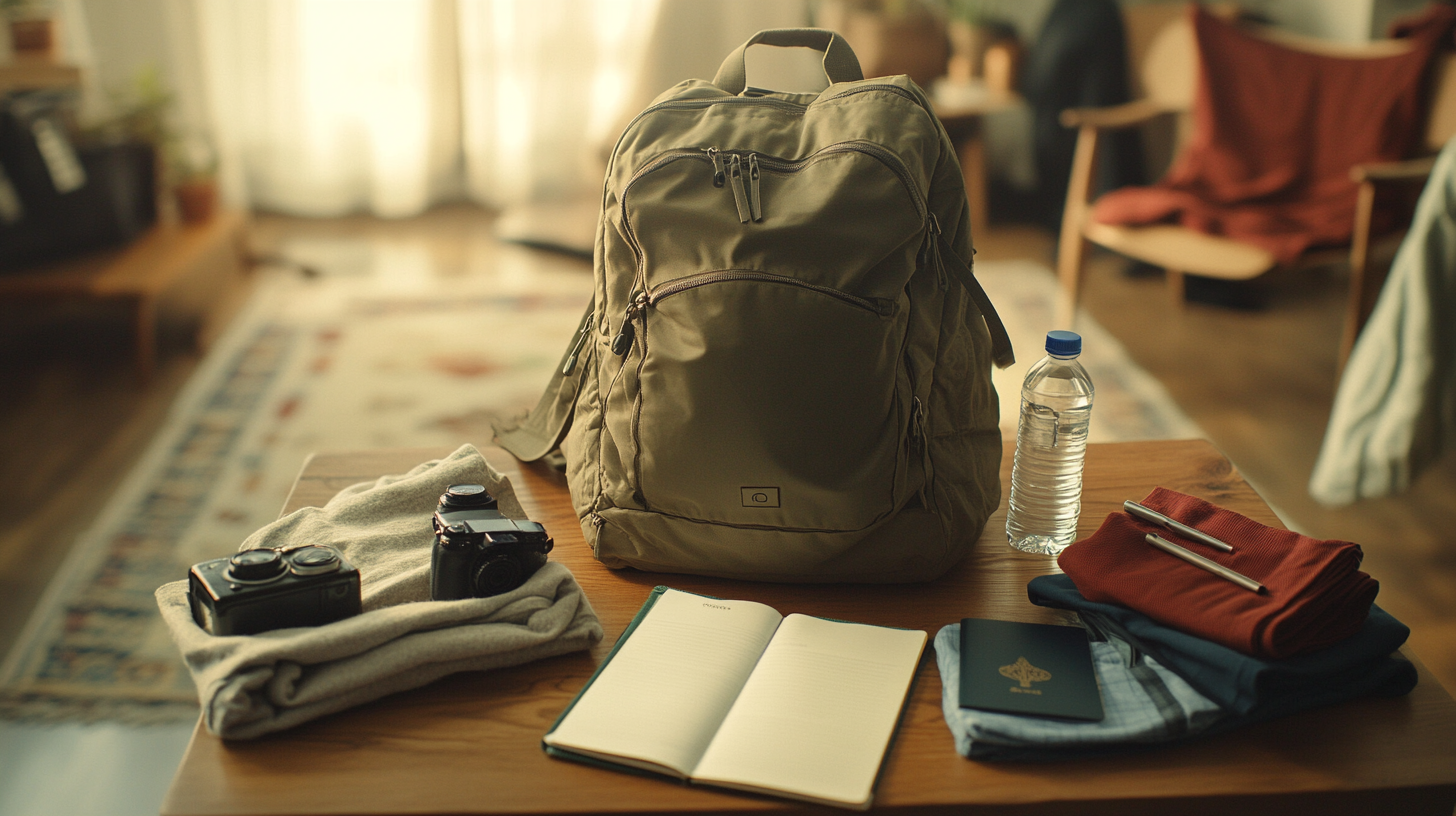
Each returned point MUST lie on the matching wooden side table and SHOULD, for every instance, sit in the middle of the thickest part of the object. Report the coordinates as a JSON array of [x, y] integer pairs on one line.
[[34, 73], [165, 260], [961, 107]]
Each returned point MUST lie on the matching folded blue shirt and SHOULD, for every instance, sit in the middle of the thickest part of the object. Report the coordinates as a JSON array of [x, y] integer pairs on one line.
[[1361, 665], [1159, 685]]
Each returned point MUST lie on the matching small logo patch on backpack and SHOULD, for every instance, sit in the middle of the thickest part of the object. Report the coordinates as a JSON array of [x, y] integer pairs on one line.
[[760, 496]]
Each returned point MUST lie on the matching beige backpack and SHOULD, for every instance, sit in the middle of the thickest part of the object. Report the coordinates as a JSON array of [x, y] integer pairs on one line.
[[785, 372]]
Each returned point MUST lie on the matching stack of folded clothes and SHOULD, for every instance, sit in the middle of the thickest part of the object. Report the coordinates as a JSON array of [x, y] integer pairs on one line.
[[251, 685], [1315, 594], [1181, 652]]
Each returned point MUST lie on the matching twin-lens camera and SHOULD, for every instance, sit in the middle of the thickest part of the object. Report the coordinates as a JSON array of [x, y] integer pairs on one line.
[[258, 590]]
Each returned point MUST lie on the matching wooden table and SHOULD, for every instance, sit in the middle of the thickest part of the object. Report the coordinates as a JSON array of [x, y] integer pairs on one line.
[[471, 743]]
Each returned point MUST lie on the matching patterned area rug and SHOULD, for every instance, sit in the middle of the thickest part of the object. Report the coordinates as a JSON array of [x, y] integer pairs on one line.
[[383, 349]]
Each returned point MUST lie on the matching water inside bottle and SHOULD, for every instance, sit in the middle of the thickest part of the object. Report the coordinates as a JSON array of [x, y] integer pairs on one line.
[[1046, 493]]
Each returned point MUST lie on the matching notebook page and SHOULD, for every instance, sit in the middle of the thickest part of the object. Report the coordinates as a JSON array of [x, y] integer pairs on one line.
[[816, 717], [664, 692]]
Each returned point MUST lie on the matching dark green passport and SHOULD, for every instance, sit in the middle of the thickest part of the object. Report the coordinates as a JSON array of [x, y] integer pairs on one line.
[[1028, 668]]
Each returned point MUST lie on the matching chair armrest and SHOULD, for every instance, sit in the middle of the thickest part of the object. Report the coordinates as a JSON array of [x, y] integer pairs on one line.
[[1408, 170], [1115, 116]]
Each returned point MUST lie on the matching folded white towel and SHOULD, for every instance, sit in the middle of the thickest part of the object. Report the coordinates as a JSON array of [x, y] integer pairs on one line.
[[255, 684]]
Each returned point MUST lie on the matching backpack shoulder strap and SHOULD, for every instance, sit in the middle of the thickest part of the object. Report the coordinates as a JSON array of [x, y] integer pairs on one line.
[[1001, 352], [538, 433]]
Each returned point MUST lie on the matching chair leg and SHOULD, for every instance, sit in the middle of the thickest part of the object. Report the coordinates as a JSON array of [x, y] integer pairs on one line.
[[1361, 298], [1070, 257], [1072, 245], [1177, 288]]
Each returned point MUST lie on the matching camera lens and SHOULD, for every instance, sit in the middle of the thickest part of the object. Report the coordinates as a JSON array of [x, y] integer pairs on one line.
[[497, 575], [256, 566], [314, 560], [467, 495]]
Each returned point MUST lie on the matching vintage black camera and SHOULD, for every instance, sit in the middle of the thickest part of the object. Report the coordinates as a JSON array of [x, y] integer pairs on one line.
[[257, 590], [479, 552]]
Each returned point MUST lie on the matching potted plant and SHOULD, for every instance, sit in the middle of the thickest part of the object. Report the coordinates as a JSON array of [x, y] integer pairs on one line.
[[982, 48], [186, 160], [32, 27], [192, 166]]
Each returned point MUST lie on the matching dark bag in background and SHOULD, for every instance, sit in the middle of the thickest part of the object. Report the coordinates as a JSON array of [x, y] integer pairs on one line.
[[58, 199]]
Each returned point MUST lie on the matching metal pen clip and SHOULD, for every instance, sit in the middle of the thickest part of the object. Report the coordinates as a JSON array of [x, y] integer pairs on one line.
[[1153, 516]]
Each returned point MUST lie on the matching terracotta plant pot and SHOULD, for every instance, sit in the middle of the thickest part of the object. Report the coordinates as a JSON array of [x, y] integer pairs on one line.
[[34, 37], [196, 200], [967, 50]]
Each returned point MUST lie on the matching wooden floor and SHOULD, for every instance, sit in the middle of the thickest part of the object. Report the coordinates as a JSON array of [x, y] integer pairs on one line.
[[74, 418]]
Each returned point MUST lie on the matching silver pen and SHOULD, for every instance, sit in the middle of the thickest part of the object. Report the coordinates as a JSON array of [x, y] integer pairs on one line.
[[1175, 525], [1199, 561]]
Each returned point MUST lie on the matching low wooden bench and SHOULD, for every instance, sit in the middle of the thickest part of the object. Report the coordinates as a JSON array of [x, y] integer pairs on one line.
[[170, 259]]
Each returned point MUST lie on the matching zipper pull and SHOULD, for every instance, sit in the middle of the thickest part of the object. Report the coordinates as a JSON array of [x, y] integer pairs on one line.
[[754, 198], [740, 197], [720, 177], [917, 433], [622, 343], [917, 421], [932, 251], [581, 336]]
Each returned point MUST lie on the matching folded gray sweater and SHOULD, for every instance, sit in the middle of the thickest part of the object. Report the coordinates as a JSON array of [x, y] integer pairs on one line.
[[254, 684]]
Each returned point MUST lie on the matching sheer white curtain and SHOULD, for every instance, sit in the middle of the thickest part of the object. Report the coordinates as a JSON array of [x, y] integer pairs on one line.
[[544, 84], [324, 107], [327, 107]]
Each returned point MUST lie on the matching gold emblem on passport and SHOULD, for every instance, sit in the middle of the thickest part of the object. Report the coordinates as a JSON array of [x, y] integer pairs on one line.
[[1026, 674]]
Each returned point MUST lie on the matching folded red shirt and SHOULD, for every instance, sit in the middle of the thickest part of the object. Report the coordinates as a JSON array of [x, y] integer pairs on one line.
[[1315, 594]]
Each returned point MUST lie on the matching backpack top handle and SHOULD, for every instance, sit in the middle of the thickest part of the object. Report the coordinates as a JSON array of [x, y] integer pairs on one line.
[[840, 63]]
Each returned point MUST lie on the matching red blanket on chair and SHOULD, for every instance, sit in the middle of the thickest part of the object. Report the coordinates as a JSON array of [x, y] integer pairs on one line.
[[1275, 133]]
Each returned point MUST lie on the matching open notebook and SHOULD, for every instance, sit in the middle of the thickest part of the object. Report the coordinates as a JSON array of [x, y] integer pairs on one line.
[[733, 694]]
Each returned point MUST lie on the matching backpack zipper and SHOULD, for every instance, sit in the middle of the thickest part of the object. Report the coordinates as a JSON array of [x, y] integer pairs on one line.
[[886, 157], [639, 312], [754, 197], [740, 196], [624, 340], [922, 441], [930, 252], [879, 306], [582, 334], [720, 176], [750, 206]]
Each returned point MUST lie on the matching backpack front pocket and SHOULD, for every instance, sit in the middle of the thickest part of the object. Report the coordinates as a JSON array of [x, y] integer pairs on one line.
[[763, 400]]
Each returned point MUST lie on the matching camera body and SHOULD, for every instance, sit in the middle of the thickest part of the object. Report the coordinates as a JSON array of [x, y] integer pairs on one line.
[[479, 552], [258, 590]]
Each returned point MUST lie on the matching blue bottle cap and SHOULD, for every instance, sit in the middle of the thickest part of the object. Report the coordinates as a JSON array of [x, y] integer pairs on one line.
[[1063, 343]]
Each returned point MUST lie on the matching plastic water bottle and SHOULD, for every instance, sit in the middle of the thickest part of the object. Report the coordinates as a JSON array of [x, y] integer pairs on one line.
[[1051, 441]]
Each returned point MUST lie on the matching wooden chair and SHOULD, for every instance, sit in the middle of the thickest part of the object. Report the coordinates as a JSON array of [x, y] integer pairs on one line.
[[1166, 78]]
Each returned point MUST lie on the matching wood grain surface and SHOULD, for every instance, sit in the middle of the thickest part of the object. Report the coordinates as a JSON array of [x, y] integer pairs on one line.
[[471, 743]]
